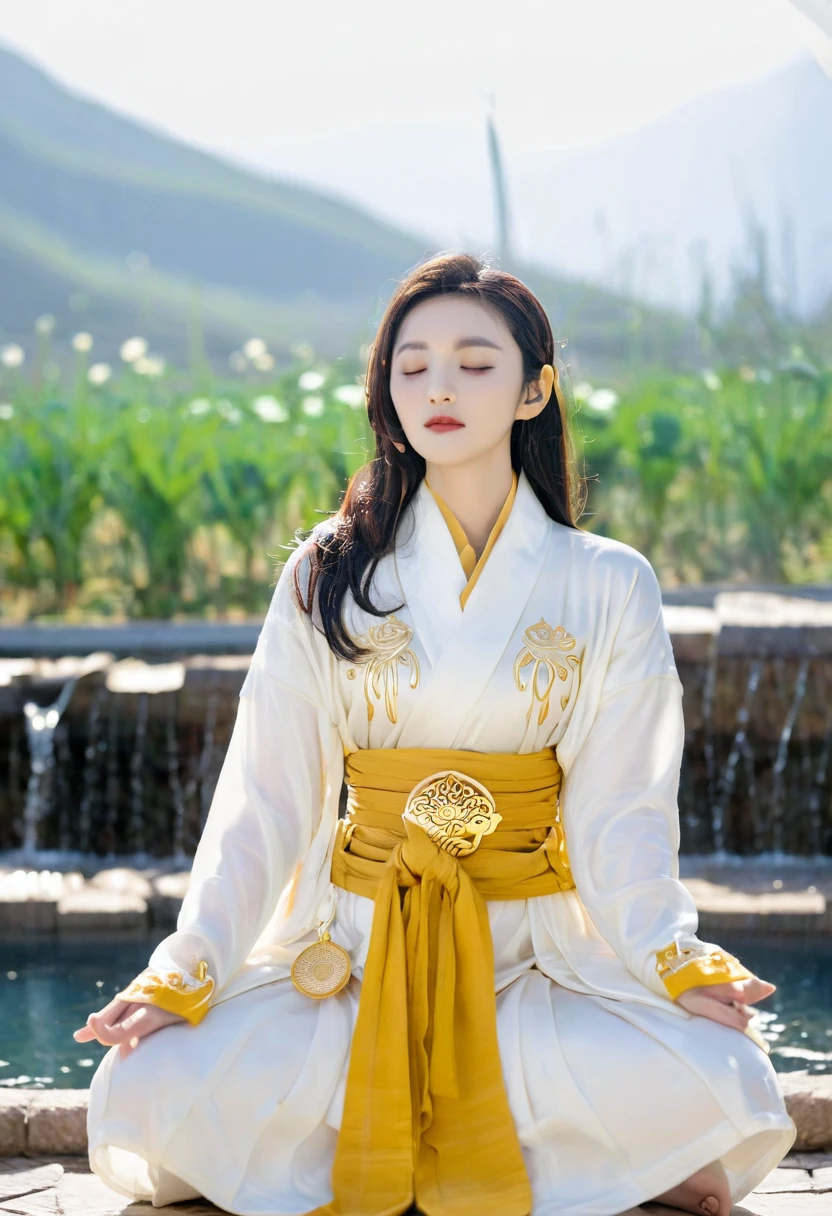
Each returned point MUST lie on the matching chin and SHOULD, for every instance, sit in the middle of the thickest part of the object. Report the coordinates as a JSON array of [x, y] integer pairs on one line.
[[444, 456]]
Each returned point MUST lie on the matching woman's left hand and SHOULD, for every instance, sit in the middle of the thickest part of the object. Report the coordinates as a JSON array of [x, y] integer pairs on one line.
[[726, 1003]]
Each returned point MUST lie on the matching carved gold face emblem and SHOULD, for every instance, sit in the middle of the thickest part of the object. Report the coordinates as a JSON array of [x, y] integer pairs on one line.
[[455, 811], [544, 646], [390, 643]]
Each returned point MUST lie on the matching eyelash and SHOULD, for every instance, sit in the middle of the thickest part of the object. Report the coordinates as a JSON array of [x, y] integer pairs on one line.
[[487, 368]]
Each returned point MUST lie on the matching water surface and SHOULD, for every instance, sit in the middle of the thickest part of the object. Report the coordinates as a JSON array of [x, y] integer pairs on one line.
[[47, 988]]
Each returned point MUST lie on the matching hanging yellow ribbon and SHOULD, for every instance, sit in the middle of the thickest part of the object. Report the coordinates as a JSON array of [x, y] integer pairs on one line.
[[426, 1115]]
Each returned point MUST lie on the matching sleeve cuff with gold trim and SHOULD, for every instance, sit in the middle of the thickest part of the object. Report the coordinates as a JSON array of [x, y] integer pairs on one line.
[[684, 969], [174, 991]]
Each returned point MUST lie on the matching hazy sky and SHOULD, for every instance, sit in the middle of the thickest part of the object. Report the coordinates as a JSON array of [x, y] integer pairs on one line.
[[246, 77]]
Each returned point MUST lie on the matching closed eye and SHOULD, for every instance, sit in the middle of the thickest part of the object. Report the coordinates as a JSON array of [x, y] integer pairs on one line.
[[487, 368]]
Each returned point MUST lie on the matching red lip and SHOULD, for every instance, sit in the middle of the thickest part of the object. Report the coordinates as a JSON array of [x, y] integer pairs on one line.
[[442, 422]]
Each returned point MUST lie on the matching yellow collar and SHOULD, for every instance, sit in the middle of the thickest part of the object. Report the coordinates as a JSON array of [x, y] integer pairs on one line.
[[473, 567]]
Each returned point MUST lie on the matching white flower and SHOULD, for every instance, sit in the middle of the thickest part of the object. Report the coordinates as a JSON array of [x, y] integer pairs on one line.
[[237, 361], [6, 411], [133, 349], [264, 362], [11, 355], [309, 381], [313, 407], [82, 342], [303, 351], [143, 415], [254, 347], [149, 365], [583, 391], [99, 373], [199, 406], [747, 373], [229, 411], [45, 324], [350, 394], [269, 409], [711, 380], [602, 399]]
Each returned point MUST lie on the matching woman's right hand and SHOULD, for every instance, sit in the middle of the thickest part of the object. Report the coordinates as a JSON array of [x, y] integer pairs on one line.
[[123, 1023]]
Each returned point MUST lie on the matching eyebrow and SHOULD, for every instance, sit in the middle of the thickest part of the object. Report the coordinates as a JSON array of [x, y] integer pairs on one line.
[[460, 345]]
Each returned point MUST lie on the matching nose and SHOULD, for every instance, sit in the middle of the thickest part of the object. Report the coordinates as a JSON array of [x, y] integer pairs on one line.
[[441, 394]]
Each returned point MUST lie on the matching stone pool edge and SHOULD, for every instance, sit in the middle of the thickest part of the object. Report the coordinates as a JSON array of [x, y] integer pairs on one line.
[[759, 896], [53, 1122]]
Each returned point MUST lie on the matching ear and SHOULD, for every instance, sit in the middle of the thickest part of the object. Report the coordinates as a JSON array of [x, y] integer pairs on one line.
[[536, 395]]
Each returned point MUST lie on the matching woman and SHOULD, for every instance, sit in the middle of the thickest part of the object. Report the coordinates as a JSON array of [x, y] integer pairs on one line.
[[531, 1023]]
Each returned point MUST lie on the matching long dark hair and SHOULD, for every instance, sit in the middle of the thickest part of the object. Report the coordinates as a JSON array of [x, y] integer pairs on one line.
[[343, 555]]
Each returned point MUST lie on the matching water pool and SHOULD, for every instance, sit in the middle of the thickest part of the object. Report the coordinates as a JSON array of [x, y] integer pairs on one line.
[[47, 988]]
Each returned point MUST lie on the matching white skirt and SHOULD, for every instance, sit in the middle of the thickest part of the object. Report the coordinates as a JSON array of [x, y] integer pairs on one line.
[[614, 1101]]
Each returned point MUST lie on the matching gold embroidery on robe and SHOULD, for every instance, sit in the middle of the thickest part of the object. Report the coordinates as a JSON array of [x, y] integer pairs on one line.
[[544, 646], [174, 991], [680, 970], [391, 642], [671, 959]]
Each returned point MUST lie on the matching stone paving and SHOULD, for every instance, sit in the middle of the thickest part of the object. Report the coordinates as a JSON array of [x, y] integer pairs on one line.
[[40, 1187]]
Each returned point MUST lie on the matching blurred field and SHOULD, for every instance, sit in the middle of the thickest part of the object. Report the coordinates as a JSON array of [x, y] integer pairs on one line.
[[139, 490]]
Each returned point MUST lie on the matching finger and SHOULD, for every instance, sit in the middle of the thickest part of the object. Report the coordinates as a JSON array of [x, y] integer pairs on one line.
[[83, 1035], [130, 1044], [726, 993], [748, 991], [727, 1015], [736, 1016], [109, 1035], [136, 1019], [113, 1015], [108, 1016], [757, 990], [113, 1012]]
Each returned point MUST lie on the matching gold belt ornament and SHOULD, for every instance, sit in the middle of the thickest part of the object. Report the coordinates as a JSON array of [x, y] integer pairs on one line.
[[455, 810], [432, 834]]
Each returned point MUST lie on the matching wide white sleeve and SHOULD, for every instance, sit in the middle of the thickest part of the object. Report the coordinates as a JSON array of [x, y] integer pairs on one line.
[[264, 813], [619, 804]]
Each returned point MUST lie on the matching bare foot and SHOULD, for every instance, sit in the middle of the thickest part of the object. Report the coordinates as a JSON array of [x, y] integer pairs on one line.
[[706, 1192]]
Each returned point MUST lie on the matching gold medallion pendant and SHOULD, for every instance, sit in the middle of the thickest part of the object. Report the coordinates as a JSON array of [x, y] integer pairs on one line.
[[322, 969]]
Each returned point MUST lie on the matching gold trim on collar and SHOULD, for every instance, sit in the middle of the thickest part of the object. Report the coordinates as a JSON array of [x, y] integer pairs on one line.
[[472, 565]]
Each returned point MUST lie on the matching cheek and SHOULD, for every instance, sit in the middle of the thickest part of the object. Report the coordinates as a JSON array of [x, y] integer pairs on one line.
[[407, 401], [490, 407]]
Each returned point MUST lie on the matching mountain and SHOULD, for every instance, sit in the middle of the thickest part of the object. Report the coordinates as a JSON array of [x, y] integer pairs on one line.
[[83, 190], [117, 228], [638, 213], [753, 154]]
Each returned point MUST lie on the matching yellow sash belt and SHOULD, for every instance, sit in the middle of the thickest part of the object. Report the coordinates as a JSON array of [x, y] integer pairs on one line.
[[426, 1115]]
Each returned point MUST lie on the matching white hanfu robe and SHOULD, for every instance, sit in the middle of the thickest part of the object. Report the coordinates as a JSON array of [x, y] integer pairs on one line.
[[617, 1093]]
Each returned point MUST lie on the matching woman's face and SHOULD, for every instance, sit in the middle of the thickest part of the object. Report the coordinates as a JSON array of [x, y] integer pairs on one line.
[[453, 359]]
